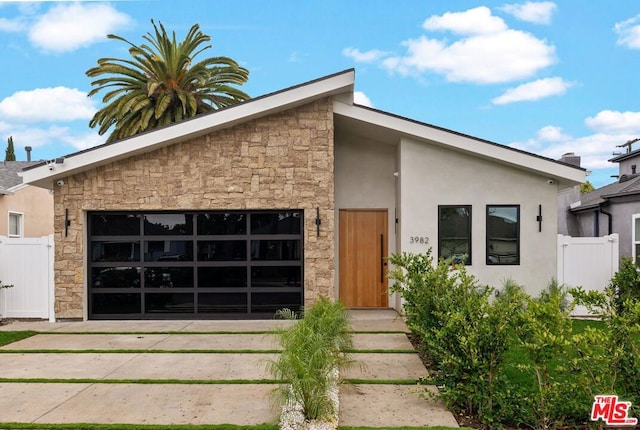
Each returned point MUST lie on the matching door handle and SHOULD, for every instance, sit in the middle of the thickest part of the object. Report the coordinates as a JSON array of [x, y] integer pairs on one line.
[[381, 258]]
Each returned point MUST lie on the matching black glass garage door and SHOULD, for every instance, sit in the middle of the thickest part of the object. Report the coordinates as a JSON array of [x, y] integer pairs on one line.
[[158, 265]]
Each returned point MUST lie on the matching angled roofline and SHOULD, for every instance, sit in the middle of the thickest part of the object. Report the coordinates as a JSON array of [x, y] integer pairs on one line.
[[46, 173], [462, 142]]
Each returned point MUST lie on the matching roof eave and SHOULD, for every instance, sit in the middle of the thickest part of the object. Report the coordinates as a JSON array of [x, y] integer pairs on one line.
[[46, 174], [567, 175]]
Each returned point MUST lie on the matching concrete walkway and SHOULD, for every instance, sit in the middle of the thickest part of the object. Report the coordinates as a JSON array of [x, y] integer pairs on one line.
[[203, 355]]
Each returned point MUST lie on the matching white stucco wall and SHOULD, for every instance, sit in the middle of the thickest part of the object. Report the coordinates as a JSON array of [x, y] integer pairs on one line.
[[432, 176], [364, 180]]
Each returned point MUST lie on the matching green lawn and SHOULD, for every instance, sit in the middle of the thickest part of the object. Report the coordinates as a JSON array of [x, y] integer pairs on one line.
[[7, 337]]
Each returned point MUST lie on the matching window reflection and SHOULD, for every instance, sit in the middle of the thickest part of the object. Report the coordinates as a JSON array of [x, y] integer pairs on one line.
[[114, 224], [276, 223], [168, 250], [112, 251], [503, 235], [276, 276], [222, 224], [454, 233], [275, 250], [168, 277], [222, 277], [115, 277], [169, 303], [168, 224], [222, 250]]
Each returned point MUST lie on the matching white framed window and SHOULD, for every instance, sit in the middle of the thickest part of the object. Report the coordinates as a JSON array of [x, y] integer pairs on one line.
[[16, 224], [635, 234]]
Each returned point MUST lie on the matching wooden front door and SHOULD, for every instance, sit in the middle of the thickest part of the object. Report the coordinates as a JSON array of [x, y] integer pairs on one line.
[[363, 252]]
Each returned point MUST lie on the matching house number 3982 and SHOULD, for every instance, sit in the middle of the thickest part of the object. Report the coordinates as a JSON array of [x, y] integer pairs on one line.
[[423, 240]]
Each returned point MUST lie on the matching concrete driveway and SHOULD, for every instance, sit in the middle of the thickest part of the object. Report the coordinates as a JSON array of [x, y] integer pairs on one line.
[[196, 372]]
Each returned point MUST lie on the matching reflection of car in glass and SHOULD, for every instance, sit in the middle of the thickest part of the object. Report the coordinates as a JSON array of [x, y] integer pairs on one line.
[[117, 277], [171, 257]]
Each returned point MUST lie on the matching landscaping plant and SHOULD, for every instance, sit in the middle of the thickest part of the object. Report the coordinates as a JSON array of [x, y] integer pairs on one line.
[[464, 332], [610, 357], [313, 353], [543, 331]]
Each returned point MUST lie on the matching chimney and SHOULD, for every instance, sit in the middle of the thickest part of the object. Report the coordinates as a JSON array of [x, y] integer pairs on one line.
[[570, 158], [28, 149]]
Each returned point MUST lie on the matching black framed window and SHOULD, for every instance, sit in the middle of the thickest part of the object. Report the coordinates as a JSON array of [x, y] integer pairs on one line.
[[503, 234], [454, 233], [194, 264]]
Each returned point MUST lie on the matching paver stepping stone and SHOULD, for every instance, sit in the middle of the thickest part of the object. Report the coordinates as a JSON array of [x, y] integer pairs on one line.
[[87, 341], [382, 341], [60, 366], [391, 406], [222, 342], [27, 402], [192, 366], [167, 404], [385, 366]]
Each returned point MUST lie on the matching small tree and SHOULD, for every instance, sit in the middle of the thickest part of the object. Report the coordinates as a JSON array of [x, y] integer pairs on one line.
[[10, 154]]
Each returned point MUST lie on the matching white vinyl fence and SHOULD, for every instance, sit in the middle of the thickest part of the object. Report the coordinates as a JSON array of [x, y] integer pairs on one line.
[[27, 264], [589, 262]]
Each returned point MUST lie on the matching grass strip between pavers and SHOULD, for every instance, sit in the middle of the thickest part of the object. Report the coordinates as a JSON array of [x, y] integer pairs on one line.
[[405, 428], [140, 351], [196, 381], [170, 332], [140, 381], [160, 332], [7, 337], [187, 351], [91, 426]]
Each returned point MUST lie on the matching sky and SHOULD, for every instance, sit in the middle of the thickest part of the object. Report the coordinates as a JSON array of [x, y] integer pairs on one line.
[[548, 77]]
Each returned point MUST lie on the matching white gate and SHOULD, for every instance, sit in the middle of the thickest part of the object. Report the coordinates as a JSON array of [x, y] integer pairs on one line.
[[589, 262], [27, 264]]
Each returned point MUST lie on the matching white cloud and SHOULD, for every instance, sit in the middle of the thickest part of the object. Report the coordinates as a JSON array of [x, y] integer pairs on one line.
[[535, 12], [84, 141], [41, 139], [485, 59], [363, 57], [610, 128], [629, 32], [535, 90], [12, 25], [552, 133], [473, 21], [67, 27], [48, 104], [361, 98], [610, 121]]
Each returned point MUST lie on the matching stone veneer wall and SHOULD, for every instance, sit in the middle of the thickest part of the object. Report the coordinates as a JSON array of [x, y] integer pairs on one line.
[[283, 161]]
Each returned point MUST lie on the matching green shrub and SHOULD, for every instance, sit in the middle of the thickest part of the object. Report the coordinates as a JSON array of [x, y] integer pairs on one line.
[[312, 350], [625, 284], [465, 333], [543, 331], [611, 355]]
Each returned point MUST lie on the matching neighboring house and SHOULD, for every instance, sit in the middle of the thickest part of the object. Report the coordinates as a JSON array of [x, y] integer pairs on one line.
[[614, 208], [292, 195], [25, 210]]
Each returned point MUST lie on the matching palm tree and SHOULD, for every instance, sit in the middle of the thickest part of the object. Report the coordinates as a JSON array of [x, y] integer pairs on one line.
[[160, 84]]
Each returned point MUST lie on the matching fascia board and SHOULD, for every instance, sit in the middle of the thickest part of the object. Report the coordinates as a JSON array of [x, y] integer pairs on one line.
[[495, 152], [42, 176]]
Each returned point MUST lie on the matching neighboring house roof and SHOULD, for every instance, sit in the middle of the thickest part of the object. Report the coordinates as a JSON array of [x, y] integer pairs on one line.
[[625, 156], [630, 185], [9, 177], [369, 122]]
